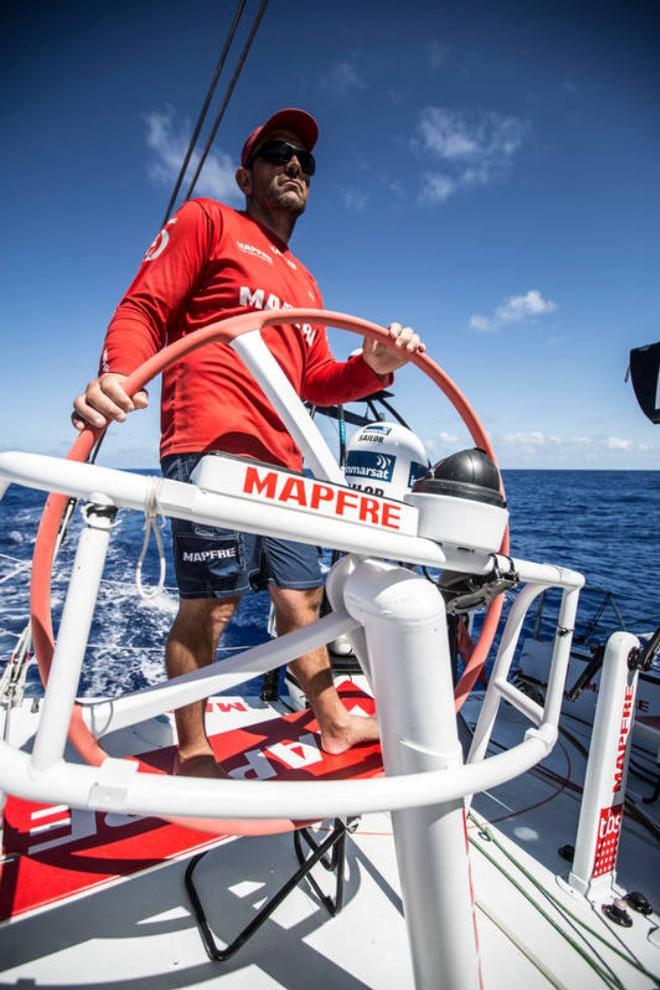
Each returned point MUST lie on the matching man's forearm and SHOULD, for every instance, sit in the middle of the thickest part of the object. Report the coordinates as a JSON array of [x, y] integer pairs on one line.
[[343, 381], [132, 337]]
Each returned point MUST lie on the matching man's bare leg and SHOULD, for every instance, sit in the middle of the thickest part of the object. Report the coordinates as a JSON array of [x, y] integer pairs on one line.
[[191, 644], [295, 608]]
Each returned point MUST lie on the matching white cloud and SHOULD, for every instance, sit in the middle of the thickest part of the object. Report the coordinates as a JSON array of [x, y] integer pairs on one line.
[[559, 441], [342, 78], [437, 187], [441, 443], [536, 438], [396, 187], [533, 439], [481, 323], [618, 443], [470, 150], [536, 448], [514, 309], [217, 176], [354, 199]]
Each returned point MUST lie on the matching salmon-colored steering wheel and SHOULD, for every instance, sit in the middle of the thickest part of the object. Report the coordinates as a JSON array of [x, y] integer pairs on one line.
[[226, 331]]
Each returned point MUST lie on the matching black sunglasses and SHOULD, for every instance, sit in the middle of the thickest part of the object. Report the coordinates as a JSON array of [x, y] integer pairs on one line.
[[281, 153]]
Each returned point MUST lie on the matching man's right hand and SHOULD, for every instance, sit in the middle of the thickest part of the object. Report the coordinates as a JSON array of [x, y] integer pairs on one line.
[[105, 400]]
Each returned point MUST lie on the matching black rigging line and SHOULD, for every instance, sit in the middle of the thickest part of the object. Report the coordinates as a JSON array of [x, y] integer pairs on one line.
[[230, 90], [207, 102], [66, 518]]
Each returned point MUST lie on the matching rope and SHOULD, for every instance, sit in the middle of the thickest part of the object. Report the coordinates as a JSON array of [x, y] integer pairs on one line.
[[522, 948], [230, 90], [15, 560], [567, 914], [238, 13], [17, 570], [611, 980], [12, 682], [151, 512], [341, 422]]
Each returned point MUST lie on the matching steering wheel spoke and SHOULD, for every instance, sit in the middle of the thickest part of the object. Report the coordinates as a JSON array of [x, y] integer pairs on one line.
[[283, 397]]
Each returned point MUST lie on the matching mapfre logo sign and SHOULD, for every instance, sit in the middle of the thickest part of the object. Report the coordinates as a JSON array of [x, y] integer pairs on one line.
[[263, 485], [326, 499]]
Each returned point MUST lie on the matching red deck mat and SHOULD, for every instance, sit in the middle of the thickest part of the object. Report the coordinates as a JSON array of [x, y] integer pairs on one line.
[[55, 852]]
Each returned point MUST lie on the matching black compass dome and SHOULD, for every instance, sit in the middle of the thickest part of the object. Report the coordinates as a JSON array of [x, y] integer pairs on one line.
[[469, 474]]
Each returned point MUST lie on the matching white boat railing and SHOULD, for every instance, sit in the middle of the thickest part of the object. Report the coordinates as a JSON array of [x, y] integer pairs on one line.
[[395, 618], [45, 776]]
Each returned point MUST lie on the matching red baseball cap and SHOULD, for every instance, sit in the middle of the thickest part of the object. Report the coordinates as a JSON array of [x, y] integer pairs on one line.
[[290, 119]]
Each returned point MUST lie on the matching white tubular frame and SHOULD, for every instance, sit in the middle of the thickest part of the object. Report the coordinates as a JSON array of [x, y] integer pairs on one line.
[[107, 715], [500, 689], [74, 629], [184, 501], [396, 620], [148, 794], [404, 620], [601, 812]]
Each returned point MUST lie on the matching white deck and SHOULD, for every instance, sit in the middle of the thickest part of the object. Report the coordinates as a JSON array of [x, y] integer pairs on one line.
[[140, 933]]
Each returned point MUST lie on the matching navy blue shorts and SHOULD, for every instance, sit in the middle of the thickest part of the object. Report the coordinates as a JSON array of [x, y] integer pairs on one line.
[[220, 563]]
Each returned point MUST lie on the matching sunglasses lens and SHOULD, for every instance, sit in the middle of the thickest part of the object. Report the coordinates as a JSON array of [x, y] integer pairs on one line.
[[281, 152]]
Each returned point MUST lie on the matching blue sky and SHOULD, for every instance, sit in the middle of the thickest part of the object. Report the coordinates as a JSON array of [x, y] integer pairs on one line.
[[487, 172]]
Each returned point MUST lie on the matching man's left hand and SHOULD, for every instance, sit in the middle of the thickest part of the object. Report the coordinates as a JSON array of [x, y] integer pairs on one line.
[[383, 360]]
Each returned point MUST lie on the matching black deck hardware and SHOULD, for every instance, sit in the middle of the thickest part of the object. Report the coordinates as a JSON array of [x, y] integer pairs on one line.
[[642, 658], [333, 863], [618, 915], [270, 686], [335, 844], [639, 902]]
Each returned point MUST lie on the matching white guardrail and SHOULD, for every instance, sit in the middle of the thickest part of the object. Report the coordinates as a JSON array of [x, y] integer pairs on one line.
[[394, 617], [117, 785]]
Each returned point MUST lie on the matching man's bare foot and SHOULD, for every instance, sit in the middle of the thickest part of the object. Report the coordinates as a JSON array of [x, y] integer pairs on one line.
[[336, 739], [203, 765]]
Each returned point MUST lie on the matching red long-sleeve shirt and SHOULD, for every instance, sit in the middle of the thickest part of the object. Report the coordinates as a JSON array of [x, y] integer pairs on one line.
[[210, 262]]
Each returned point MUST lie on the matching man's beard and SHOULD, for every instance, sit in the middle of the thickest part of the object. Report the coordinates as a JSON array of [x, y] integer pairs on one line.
[[286, 200]]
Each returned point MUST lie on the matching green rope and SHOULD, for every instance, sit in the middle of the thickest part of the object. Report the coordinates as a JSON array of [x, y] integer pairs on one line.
[[566, 912], [563, 909], [610, 981]]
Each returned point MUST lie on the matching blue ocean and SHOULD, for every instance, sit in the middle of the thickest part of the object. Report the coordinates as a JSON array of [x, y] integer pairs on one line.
[[605, 524]]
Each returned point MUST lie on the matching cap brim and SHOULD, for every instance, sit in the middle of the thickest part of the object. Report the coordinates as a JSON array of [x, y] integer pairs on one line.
[[289, 119], [292, 119]]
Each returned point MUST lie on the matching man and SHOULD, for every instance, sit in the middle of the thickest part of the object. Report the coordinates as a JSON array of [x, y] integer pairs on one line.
[[208, 262]]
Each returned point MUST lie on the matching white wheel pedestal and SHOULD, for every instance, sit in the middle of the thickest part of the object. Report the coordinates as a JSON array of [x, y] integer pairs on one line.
[[406, 634]]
